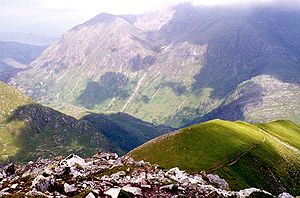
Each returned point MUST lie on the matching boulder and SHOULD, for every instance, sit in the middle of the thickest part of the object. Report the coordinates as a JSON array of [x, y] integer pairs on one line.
[[113, 192], [35, 193], [9, 169], [285, 195], [14, 186], [74, 160], [253, 192], [133, 190], [42, 183], [90, 195], [69, 188], [217, 181], [168, 187]]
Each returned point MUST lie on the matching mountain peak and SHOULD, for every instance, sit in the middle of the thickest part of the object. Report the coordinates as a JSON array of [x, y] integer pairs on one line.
[[101, 18]]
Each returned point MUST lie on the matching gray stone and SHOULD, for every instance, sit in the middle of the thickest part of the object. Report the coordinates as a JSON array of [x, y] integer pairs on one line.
[[42, 183], [74, 160], [169, 186], [133, 190], [9, 169], [90, 195], [216, 180], [69, 188], [14, 186], [113, 192], [247, 192], [285, 195], [35, 193]]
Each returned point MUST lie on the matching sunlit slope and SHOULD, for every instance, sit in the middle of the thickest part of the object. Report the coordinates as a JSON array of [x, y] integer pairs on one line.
[[244, 154], [29, 130]]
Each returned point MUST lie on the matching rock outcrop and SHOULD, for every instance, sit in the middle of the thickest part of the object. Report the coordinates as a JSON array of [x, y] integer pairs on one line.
[[107, 175]]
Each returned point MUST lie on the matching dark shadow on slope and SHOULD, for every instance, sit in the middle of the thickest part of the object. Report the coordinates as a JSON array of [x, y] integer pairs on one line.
[[241, 44], [178, 88], [8, 72], [110, 85], [49, 133], [250, 94], [125, 131]]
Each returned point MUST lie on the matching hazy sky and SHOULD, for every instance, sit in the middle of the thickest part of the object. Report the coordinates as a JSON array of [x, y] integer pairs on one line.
[[53, 17]]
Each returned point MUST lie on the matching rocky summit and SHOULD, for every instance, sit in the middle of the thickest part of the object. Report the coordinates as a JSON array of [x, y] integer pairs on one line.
[[107, 175]]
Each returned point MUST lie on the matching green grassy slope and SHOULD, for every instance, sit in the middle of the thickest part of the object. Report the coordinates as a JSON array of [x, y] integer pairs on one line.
[[244, 154], [29, 130]]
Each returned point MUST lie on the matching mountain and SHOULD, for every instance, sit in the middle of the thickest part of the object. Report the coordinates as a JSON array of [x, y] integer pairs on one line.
[[125, 130], [29, 130], [176, 66], [15, 57], [264, 156]]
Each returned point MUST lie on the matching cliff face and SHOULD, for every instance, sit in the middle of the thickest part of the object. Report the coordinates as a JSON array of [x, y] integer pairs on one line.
[[174, 66]]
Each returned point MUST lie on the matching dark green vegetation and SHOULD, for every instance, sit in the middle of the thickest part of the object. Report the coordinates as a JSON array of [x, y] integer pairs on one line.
[[266, 155], [124, 130], [29, 130], [14, 57], [177, 67], [110, 85]]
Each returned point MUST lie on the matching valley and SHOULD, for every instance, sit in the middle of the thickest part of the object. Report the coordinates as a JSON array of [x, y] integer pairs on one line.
[[198, 64], [188, 100]]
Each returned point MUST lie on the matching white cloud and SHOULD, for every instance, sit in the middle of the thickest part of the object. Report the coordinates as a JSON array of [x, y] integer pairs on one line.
[[54, 17]]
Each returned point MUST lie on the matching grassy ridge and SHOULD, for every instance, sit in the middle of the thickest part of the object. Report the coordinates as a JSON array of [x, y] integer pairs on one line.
[[244, 154]]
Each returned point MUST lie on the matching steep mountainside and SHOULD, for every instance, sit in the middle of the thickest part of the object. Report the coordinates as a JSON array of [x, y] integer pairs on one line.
[[29, 130], [266, 156], [15, 57], [175, 66], [124, 130]]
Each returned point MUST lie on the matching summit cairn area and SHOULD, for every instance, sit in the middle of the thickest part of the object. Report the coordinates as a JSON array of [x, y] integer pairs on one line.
[[108, 175]]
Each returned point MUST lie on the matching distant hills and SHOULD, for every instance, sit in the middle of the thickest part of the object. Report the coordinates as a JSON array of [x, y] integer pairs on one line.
[[176, 67], [27, 38], [265, 155], [15, 57]]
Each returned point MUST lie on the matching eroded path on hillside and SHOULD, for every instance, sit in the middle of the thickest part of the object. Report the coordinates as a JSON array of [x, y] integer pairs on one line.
[[265, 134], [232, 162], [285, 144]]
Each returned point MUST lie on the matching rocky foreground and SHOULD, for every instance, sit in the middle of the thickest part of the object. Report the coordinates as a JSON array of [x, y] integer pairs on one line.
[[107, 175]]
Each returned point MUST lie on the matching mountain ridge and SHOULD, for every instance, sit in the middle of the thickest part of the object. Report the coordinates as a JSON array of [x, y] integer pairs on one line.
[[264, 155], [29, 130], [188, 66]]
